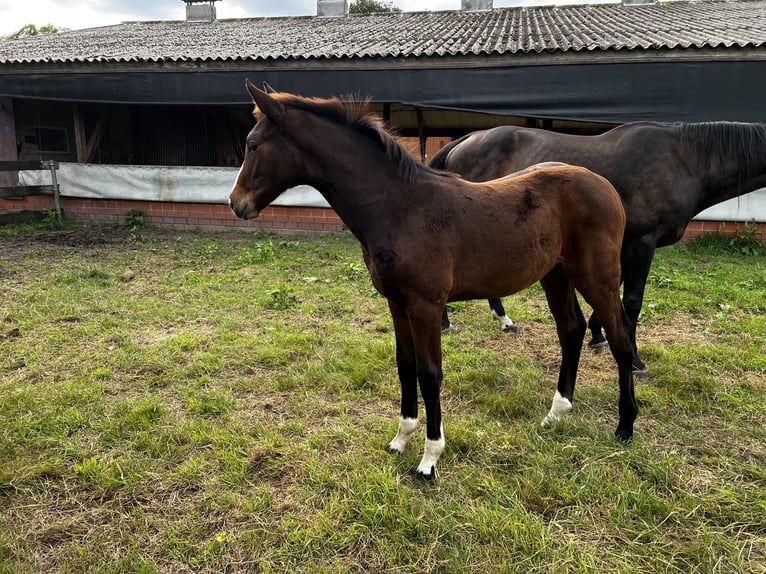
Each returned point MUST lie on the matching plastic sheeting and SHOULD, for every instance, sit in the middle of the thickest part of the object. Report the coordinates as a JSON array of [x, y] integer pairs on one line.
[[670, 91], [158, 183], [213, 185]]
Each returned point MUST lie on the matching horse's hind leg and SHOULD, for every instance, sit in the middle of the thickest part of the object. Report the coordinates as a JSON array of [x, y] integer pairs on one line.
[[604, 297], [570, 326], [498, 313]]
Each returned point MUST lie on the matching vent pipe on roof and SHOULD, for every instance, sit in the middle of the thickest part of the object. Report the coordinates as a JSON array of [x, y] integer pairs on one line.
[[200, 10], [476, 5], [332, 8]]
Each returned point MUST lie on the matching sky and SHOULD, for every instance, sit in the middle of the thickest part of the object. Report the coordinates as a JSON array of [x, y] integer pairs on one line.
[[77, 14]]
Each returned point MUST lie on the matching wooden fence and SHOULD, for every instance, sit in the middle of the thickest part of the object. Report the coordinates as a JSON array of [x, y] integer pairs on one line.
[[21, 191]]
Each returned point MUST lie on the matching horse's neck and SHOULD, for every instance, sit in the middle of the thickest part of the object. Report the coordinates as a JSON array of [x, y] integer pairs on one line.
[[355, 178], [731, 175]]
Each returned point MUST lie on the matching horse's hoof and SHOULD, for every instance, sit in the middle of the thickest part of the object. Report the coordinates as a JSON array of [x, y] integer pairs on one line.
[[598, 346], [641, 374], [511, 329], [449, 330], [431, 476], [624, 435]]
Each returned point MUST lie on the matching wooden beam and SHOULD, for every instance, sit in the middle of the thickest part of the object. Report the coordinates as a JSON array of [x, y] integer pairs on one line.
[[24, 191], [17, 165], [80, 143], [95, 139], [21, 216], [421, 134]]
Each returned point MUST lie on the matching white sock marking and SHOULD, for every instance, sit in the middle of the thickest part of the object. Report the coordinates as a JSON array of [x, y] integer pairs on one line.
[[433, 450], [505, 322], [559, 408], [406, 428]]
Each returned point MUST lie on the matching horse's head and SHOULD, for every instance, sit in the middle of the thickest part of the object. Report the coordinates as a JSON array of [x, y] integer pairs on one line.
[[271, 164]]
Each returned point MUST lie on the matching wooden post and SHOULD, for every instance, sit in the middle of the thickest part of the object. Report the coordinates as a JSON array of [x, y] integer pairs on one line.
[[8, 149], [55, 184], [80, 143]]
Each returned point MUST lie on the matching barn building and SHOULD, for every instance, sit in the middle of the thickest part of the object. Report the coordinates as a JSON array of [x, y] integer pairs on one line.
[[152, 115]]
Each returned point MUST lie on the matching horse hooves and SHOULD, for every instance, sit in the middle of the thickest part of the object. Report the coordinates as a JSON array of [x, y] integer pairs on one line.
[[449, 330], [624, 435], [511, 329], [598, 346]]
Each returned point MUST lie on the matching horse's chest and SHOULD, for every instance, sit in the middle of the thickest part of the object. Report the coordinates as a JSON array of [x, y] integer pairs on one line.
[[394, 270]]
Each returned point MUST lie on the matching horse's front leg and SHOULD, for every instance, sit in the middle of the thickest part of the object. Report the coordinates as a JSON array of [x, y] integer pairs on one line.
[[637, 257], [406, 367], [426, 334], [418, 359]]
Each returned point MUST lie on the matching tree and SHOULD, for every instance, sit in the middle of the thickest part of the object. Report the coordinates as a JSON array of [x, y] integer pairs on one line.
[[372, 6], [32, 30]]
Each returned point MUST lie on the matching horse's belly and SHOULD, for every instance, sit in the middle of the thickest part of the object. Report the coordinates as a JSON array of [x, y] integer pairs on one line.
[[506, 276]]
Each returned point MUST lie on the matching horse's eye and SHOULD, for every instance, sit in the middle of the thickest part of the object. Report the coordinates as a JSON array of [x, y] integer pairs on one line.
[[251, 146]]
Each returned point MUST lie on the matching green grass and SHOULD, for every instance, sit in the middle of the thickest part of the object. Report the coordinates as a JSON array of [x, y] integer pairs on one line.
[[226, 409]]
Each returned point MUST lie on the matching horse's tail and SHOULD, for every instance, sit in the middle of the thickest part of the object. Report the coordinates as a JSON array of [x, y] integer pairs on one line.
[[439, 161]]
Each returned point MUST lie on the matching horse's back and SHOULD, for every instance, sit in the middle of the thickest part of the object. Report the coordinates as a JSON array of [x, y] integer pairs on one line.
[[490, 154], [547, 215], [642, 161], [578, 190]]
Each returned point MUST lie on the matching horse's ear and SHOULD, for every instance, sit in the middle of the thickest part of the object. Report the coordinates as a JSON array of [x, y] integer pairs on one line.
[[267, 105], [268, 89]]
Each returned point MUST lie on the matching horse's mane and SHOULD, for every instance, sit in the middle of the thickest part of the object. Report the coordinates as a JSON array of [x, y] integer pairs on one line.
[[356, 114], [727, 140]]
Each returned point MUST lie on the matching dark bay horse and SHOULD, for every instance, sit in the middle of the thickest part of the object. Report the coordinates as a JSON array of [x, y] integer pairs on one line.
[[429, 237], [665, 174]]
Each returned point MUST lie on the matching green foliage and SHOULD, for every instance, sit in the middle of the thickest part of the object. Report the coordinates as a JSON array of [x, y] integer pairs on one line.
[[748, 240], [282, 298], [51, 221], [134, 219], [371, 7], [29, 30]]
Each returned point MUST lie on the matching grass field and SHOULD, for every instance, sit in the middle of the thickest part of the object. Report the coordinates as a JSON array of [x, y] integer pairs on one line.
[[180, 402]]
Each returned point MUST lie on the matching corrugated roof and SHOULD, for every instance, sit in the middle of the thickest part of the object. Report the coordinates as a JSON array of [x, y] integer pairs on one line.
[[408, 35]]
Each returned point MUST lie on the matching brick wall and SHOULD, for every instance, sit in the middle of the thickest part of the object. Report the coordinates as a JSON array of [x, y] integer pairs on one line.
[[218, 217]]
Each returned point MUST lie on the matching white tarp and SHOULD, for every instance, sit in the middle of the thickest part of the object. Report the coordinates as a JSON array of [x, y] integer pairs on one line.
[[158, 183], [213, 185]]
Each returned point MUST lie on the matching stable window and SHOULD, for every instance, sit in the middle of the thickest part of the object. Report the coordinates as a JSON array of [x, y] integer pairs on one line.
[[52, 140]]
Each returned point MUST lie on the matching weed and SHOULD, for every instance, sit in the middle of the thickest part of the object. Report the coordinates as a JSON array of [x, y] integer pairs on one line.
[[260, 253], [748, 240], [51, 220], [134, 220], [282, 298], [711, 243]]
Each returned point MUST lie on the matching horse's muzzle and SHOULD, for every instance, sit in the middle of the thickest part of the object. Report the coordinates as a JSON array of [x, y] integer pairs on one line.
[[242, 209]]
